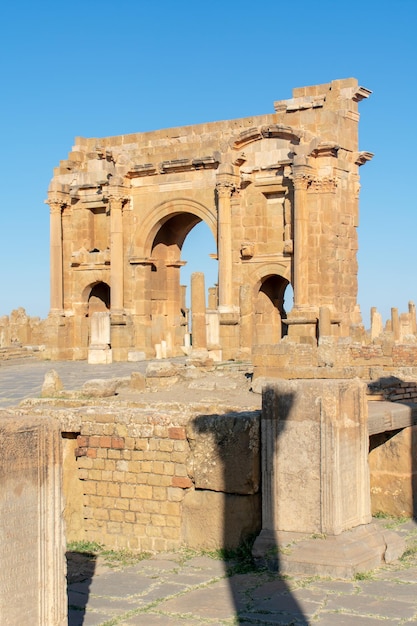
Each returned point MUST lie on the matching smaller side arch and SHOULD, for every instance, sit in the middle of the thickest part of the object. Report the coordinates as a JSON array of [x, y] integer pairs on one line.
[[97, 297], [269, 286]]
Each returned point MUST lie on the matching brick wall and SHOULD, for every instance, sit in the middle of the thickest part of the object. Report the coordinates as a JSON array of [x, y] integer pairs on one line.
[[136, 467]]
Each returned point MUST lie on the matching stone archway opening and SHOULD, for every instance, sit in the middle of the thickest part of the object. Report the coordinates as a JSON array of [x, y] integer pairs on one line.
[[169, 297], [270, 310], [99, 298], [199, 253]]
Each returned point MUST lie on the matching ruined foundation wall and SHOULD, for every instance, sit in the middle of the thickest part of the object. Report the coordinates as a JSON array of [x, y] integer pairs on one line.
[[162, 477]]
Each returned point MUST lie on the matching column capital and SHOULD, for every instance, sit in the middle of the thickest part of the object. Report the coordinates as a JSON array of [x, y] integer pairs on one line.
[[225, 189], [301, 180], [116, 200], [56, 204]]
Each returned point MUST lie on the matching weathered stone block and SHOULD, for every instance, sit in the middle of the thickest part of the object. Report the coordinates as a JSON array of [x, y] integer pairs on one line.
[[393, 473], [225, 452], [32, 548], [315, 475], [218, 520]]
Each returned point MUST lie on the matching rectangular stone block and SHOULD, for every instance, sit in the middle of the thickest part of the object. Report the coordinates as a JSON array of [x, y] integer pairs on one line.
[[32, 546], [315, 475]]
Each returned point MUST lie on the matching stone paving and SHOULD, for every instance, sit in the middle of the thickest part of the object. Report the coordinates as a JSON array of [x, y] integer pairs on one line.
[[170, 590], [173, 589], [23, 378]]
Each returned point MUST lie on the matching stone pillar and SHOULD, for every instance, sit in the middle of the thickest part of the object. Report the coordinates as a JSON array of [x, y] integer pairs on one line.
[[99, 351], [315, 473], [116, 253], [325, 322], [198, 311], [300, 283], [376, 323], [315, 480], [224, 190], [212, 298], [32, 546], [412, 312], [246, 319], [56, 205], [395, 320]]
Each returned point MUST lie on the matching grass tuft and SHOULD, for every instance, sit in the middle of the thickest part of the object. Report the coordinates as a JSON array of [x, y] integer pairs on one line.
[[113, 558]]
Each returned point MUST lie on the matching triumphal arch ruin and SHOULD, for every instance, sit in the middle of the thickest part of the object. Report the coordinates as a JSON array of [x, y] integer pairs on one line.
[[279, 193]]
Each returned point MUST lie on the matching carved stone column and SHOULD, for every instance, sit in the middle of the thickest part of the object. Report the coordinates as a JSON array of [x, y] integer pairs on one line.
[[198, 311], [224, 191], [116, 252], [301, 181], [56, 205]]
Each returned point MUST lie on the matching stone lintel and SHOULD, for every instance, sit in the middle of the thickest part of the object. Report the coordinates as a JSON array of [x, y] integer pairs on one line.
[[177, 263], [137, 260], [145, 169], [300, 320], [385, 416], [90, 266]]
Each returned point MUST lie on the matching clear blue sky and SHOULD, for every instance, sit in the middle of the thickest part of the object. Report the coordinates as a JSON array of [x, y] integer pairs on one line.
[[96, 68]]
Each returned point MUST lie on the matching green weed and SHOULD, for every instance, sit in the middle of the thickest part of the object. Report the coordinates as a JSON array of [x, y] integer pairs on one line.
[[364, 575], [113, 558]]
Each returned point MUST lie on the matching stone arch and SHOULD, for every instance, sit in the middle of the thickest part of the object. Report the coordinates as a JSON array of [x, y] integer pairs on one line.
[[162, 236], [97, 297], [268, 308], [166, 211]]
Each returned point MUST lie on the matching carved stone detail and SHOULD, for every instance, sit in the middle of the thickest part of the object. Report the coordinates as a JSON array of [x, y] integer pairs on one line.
[[326, 184]]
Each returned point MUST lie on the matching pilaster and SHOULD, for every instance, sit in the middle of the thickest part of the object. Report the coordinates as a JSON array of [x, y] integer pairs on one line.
[[56, 205], [117, 201]]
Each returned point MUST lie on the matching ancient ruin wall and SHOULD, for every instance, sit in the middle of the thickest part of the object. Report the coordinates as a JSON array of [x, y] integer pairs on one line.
[[278, 191], [158, 478]]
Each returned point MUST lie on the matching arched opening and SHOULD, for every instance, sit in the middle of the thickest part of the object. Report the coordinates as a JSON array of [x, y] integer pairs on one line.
[[199, 253], [170, 300], [99, 298], [270, 310]]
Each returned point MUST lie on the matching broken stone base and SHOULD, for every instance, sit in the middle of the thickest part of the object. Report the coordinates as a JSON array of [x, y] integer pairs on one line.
[[340, 556], [99, 356]]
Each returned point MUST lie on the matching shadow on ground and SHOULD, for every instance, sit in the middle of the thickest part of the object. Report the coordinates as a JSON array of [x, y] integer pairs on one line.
[[256, 595], [80, 571]]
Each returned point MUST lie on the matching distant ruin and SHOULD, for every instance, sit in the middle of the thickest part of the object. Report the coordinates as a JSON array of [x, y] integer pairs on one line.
[[278, 191]]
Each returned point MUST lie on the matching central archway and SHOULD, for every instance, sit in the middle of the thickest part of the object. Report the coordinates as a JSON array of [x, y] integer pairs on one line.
[[169, 311]]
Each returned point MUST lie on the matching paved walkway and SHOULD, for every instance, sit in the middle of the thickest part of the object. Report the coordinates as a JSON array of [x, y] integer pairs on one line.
[[167, 590], [23, 378]]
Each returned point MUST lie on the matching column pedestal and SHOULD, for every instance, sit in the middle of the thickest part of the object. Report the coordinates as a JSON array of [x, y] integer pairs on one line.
[[315, 480]]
